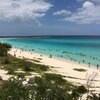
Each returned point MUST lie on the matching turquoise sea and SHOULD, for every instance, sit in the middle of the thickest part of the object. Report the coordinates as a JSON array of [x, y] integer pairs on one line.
[[79, 49]]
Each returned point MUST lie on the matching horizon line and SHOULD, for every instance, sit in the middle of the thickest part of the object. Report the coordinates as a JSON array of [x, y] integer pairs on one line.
[[23, 36]]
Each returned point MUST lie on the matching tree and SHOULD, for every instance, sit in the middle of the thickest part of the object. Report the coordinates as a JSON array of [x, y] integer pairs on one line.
[[78, 92], [6, 60], [4, 48], [14, 89], [40, 88]]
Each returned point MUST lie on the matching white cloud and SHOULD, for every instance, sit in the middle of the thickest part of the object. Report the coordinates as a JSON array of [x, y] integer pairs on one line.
[[62, 12], [94, 1], [88, 13], [23, 9], [88, 5]]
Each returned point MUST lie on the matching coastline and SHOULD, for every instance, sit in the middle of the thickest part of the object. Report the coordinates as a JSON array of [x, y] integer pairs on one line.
[[61, 66], [65, 50]]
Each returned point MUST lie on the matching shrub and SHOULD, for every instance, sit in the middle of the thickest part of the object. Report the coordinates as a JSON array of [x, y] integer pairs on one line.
[[6, 60], [79, 69], [26, 65], [4, 48]]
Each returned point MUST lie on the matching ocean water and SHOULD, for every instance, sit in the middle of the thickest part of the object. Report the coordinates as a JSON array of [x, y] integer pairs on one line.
[[81, 50]]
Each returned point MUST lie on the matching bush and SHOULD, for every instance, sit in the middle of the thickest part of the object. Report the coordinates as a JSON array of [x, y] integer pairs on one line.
[[79, 69], [6, 60], [26, 65], [4, 48], [10, 71], [39, 88], [78, 92]]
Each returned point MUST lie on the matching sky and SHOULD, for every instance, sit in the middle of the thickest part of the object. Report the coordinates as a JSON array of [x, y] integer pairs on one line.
[[49, 17]]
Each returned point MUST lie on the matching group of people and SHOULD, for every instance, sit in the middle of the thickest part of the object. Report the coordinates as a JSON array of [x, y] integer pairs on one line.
[[72, 59]]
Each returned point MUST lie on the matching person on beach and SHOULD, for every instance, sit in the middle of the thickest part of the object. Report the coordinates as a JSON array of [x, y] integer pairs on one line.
[[61, 56], [89, 64], [14, 53], [93, 57], [57, 55], [50, 56], [97, 66]]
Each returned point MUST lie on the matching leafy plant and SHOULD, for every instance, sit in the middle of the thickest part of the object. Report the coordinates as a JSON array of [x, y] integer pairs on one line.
[[79, 69]]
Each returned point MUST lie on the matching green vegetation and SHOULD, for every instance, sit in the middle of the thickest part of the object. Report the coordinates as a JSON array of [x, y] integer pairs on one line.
[[4, 48], [14, 64], [79, 69], [78, 92], [46, 87], [39, 88]]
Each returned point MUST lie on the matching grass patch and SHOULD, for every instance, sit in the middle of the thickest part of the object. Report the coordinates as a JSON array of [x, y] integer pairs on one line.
[[23, 64], [39, 68], [58, 80], [80, 69], [22, 74]]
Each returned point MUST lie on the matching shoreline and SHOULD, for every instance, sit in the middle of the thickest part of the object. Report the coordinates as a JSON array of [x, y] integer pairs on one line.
[[62, 67], [75, 57], [58, 66], [37, 56], [58, 58]]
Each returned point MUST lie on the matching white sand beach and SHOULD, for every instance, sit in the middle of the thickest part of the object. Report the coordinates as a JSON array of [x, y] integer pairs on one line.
[[63, 67]]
